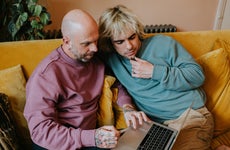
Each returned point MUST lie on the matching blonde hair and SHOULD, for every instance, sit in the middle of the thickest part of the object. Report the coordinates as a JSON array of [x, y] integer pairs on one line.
[[115, 21]]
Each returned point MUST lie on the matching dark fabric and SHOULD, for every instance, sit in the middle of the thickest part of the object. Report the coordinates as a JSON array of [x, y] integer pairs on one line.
[[37, 147], [8, 138]]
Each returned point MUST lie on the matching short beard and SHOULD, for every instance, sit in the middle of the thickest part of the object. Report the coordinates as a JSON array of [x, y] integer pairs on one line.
[[84, 60]]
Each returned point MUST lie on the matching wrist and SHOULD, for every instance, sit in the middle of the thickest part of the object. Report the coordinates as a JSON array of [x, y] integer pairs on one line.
[[128, 108]]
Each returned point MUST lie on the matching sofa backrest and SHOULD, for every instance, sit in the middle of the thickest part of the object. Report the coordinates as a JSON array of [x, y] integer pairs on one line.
[[30, 53], [26, 53], [199, 42]]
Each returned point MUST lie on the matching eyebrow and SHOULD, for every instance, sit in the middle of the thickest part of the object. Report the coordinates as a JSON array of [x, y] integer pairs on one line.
[[85, 42], [123, 39]]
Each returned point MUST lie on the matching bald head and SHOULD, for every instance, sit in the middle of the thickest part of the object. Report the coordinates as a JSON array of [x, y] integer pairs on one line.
[[76, 20], [80, 35]]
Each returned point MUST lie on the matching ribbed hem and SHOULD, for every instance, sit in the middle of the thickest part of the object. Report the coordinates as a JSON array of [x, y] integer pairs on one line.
[[88, 138]]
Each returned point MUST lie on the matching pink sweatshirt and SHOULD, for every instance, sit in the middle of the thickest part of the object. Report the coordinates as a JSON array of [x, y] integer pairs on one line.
[[62, 100]]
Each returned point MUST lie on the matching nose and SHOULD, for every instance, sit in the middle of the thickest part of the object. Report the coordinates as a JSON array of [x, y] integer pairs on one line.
[[129, 45], [93, 47]]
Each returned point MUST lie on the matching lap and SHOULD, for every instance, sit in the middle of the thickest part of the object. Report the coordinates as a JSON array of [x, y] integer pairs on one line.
[[196, 132]]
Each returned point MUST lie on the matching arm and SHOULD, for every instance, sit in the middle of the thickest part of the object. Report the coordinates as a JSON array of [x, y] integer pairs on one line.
[[181, 72], [170, 64], [132, 116], [44, 122]]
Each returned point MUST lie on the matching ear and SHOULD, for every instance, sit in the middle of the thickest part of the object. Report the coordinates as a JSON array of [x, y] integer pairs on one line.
[[67, 42]]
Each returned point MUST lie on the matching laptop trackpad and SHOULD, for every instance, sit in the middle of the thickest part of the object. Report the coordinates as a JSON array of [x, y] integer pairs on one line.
[[126, 141]]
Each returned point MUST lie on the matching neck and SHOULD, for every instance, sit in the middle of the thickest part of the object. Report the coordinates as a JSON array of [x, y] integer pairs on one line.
[[67, 51]]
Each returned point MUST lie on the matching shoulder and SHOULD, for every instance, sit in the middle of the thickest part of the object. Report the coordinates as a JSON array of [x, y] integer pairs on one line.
[[160, 40], [47, 63], [160, 37]]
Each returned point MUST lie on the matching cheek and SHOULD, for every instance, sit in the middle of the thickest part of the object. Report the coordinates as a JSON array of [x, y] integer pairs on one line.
[[120, 49], [136, 42]]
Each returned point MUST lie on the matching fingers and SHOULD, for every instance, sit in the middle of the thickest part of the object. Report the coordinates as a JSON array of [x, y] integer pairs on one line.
[[135, 118], [136, 59], [144, 117], [106, 137], [141, 68], [133, 121], [141, 116]]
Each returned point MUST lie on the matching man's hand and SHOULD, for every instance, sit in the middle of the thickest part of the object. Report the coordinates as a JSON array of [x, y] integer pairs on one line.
[[141, 68], [133, 117], [106, 137]]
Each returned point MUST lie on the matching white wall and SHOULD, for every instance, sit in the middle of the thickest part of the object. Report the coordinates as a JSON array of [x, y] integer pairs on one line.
[[226, 18]]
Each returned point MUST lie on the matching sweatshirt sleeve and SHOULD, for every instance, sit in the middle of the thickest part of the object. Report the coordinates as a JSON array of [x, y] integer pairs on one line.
[[41, 111], [123, 96], [179, 71]]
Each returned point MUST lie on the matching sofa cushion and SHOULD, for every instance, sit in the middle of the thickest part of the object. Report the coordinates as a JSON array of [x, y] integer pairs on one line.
[[12, 83], [219, 43], [8, 138], [118, 112], [105, 115], [216, 65], [109, 112], [223, 139]]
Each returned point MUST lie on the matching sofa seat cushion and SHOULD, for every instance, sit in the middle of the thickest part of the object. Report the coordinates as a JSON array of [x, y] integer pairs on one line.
[[216, 65], [223, 139]]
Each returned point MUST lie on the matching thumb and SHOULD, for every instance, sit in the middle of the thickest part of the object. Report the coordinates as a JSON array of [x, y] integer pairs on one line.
[[138, 59]]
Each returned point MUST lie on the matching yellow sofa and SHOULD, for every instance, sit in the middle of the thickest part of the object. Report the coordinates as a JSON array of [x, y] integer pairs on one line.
[[210, 48]]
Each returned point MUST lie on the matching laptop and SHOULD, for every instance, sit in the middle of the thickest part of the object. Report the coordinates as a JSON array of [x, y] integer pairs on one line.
[[150, 136]]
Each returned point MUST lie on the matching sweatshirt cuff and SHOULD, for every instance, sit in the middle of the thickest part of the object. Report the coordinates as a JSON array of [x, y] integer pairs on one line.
[[158, 72], [88, 138], [124, 100]]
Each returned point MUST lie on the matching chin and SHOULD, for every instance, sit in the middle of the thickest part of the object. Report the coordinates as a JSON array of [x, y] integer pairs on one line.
[[86, 59]]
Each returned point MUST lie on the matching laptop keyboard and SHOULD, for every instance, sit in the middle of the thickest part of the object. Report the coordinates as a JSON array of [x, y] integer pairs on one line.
[[156, 139]]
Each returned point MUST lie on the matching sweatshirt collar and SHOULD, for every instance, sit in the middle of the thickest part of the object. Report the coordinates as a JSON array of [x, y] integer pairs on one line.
[[69, 59]]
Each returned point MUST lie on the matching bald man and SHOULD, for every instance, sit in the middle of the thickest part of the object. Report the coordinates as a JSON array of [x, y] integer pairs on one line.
[[62, 93]]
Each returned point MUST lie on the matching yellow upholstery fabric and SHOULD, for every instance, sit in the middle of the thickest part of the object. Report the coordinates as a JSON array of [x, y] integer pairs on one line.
[[198, 42], [217, 87], [105, 114], [30, 53], [110, 113], [12, 83], [219, 43], [220, 140], [26, 53], [118, 112]]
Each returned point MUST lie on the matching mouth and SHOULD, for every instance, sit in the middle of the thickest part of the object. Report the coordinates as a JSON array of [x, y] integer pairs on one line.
[[131, 55], [89, 55]]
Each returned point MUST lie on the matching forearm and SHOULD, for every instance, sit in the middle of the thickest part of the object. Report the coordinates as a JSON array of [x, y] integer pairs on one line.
[[123, 97], [179, 78], [52, 135]]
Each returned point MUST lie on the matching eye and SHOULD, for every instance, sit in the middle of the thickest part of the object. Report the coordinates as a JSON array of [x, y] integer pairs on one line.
[[132, 37], [119, 42], [85, 44]]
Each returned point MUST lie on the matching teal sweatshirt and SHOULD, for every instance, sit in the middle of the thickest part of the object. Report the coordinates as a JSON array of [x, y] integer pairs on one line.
[[175, 81]]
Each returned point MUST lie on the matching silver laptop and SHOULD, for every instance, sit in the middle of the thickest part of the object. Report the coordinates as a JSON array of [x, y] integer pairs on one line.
[[150, 136]]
